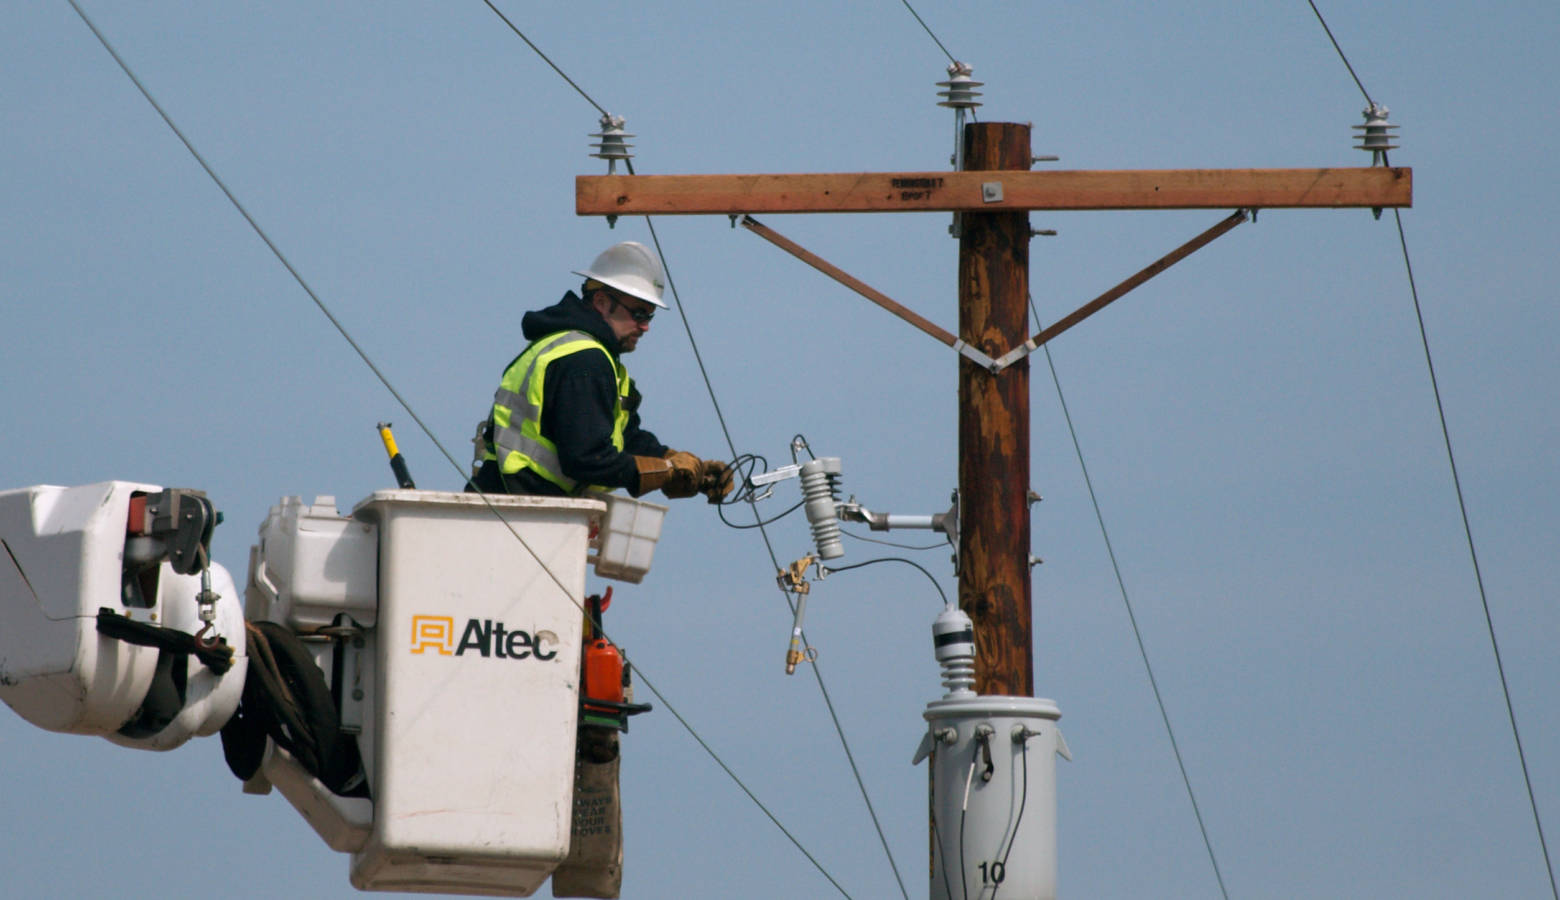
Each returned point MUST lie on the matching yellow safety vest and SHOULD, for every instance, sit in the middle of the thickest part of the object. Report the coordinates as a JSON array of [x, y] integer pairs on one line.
[[517, 442]]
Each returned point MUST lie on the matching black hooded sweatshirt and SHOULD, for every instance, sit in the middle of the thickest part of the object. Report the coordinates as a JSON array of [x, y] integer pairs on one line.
[[578, 401]]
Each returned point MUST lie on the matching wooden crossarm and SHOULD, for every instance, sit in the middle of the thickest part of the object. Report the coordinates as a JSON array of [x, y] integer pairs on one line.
[[990, 191]]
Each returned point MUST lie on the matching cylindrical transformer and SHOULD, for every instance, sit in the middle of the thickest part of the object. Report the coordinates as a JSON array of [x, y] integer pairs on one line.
[[994, 797]]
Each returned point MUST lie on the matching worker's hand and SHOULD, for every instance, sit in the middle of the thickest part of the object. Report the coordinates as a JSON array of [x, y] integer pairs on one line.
[[686, 475], [715, 480]]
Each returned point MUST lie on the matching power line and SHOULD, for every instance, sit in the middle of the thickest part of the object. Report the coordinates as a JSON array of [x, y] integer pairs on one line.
[[928, 30], [1341, 55], [828, 700], [1126, 600], [733, 775], [1462, 506], [297, 276], [720, 416], [544, 57], [318, 302]]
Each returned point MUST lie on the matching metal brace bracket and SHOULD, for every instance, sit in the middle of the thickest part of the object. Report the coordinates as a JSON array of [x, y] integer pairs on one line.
[[1014, 355], [975, 356]]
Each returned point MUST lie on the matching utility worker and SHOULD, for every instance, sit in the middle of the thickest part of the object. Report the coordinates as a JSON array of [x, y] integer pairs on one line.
[[565, 418]]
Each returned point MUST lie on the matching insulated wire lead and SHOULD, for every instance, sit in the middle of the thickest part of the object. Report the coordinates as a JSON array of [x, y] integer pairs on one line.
[[870, 540], [899, 559], [1023, 801]]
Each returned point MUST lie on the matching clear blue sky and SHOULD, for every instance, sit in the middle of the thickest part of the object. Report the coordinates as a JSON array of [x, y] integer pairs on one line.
[[1258, 422]]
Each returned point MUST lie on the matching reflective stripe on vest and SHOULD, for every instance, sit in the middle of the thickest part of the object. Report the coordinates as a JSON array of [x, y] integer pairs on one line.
[[517, 409]]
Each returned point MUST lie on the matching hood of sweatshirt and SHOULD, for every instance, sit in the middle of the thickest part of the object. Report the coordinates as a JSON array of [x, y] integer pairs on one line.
[[570, 313]]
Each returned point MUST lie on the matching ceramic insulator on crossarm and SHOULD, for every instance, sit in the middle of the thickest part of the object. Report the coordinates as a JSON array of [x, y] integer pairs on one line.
[[1376, 134], [612, 142]]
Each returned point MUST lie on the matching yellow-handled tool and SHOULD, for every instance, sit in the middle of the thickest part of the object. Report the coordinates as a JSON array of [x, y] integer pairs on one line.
[[403, 476]]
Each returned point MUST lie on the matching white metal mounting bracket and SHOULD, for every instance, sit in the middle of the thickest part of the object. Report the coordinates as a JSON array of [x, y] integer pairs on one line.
[[1014, 355], [975, 356]]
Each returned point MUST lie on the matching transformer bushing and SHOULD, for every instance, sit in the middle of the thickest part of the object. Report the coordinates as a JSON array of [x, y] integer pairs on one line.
[[993, 771]]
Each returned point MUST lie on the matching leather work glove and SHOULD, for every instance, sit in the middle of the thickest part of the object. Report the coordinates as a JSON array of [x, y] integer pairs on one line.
[[715, 480], [653, 473], [687, 471]]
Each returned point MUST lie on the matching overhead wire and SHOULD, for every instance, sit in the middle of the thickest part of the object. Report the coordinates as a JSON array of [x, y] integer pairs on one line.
[[688, 726], [721, 418], [1462, 504], [1126, 600], [545, 58], [731, 444], [828, 700], [1137, 632], [1473, 555], [929, 31], [1341, 55], [307, 289], [384, 380], [938, 41], [287, 264]]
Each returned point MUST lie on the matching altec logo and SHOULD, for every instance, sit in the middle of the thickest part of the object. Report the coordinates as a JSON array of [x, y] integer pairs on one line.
[[482, 636]]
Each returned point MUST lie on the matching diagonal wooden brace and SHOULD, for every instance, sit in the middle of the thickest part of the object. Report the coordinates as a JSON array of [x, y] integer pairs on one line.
[[850, 281], [1115, 293], [871, 293], [1022, 350]]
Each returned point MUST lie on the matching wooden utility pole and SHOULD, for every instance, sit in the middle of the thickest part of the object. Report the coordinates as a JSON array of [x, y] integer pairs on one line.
[[994, 583]]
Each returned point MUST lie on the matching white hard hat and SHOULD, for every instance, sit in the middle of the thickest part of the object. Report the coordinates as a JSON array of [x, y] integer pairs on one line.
[[629, 267]]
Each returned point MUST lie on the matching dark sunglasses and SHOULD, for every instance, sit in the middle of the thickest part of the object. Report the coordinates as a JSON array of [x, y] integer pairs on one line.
[[639, 316]]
